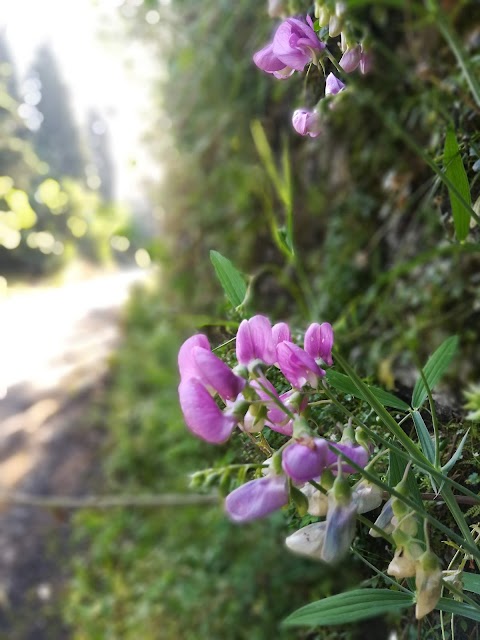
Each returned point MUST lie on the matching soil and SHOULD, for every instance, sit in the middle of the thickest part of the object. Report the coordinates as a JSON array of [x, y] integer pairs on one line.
[[50, 444]]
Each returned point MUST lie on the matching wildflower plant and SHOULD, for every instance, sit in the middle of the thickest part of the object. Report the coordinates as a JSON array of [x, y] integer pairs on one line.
[[275, 384], [281, 378]]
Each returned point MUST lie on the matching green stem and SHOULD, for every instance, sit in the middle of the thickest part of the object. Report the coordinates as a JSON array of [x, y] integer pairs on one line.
[[457, 513], [457, 49], [380, 410]]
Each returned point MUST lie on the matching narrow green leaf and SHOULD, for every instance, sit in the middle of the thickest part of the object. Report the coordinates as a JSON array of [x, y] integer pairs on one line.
[[446, 467], [424, 436], [343, 383], [231, 280], [459, 608], [350, 606], [455, 171], [471, 582], [434, 369]]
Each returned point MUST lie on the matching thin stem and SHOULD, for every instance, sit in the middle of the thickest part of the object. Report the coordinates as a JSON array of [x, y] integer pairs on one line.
[[380, 573], [106, 502]]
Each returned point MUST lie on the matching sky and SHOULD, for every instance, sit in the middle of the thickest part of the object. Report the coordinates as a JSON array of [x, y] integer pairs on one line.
[[111, 76]]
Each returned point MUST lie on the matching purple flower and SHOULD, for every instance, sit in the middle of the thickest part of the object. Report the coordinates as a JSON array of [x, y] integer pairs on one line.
[[298, 366], [318, 341], [186, 365], [333, 85], [195, 360], [366, 62], [257, 498], [255, 341], [306, 122], [351, 58], [276, 419], [356, 453], [281, 332], [202, 415], [340, 529], [294, 45], [303, 462], [215, 374]]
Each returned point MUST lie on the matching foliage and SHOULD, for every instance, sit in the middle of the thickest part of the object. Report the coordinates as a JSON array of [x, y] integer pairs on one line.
[[369, 226]]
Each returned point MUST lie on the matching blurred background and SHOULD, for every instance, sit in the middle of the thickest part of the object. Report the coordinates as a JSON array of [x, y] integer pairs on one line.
[[136, 136]]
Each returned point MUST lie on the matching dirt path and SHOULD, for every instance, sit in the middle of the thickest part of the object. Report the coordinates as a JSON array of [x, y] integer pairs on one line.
[[49, 438]]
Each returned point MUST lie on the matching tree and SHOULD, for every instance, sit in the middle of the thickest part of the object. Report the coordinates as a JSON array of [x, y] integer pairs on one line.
[[56, 139], [100, 171]]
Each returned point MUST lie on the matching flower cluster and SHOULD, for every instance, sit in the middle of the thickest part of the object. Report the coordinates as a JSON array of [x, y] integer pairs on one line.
[[296, 44], [216, 399]]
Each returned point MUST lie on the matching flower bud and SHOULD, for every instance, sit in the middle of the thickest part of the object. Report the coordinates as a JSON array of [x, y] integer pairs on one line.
[[307, 122], [308, 541], [428, 581], [335, 25], [351, 58], [402, 565], [384, 520], [317, 501]]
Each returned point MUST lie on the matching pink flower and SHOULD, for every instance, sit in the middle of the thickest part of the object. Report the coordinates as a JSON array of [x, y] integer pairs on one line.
[[366, 62], [318, 341], [186, 365], [351, 58], [306, 122], [304, 462], [297, 365], [281, 332], [257, 498], [255, 341], [195, 360], [294, 45], [358, 454], [333, 85], [202, 415]]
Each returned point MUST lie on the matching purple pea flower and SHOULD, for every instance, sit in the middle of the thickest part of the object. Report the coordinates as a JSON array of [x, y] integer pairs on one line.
[[255, 341], [358, 454], [294, 45], [276, 419], [281, 332], [304, 462], [186, 365], [318, 341], [195, 360], [340, 528], [306, 122], [366, 62], [202, 415], [333, 85], [297, 365], [257, 498], [351, 58], [216, 375]]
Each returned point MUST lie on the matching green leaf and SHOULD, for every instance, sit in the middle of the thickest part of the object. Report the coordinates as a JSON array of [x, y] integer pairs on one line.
[[231, 280], [343, 383], [446, 467], [455, 171], [459, 608], [424, 436], [471, 582], [434, 369], [350, 606]]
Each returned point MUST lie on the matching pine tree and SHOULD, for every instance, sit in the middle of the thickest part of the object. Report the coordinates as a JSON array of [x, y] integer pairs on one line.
[[56, 140]]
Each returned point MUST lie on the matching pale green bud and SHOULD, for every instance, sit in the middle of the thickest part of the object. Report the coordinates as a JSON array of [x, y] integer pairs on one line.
[[428, 581]]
